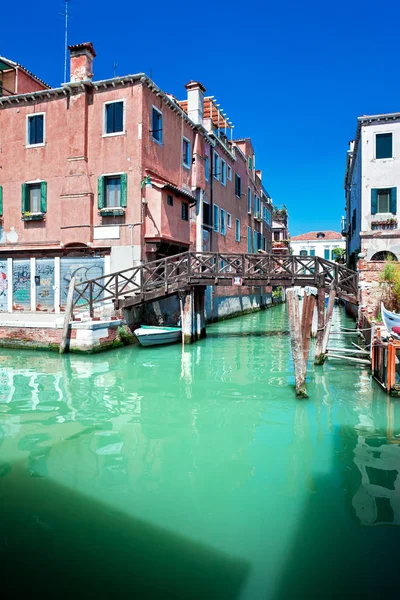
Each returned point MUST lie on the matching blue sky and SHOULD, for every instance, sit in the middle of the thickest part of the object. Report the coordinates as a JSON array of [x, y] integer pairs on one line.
[[292, 76]]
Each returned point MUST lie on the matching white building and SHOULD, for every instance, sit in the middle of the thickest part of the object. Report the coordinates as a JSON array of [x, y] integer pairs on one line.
[[371, 182], [317, 243]]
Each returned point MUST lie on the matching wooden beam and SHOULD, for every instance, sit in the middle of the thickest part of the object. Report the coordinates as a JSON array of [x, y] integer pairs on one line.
[[67, 316], [296, 343], [319, 355]]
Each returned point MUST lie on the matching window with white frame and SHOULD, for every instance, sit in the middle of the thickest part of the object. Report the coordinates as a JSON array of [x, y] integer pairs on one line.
[[384, 145], [185, 211], [229, 220], [216, 217], [249, 240], [249, 200], [237, 230], [238, 186], [112, 191], [35, 130], [216, 165], [186, 156], [157, 125], [114, 117], [223, 222], [229, 173], [223, 172]]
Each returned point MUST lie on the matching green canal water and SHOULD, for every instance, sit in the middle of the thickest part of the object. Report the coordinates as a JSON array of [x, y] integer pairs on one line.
[[152, 472]]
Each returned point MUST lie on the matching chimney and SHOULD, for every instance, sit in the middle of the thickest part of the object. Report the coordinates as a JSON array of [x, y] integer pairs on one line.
[[195, 108], [81, 61]]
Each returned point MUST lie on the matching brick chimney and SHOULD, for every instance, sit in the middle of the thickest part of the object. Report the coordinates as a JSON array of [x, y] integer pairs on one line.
[[195, 92], [81, 61]]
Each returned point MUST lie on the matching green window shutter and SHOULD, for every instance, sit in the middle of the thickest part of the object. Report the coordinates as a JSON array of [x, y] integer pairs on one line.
[[1, 200], [100, 192], [123, 190], [43, 196], [374, 202], [24, 198], [393, 200]]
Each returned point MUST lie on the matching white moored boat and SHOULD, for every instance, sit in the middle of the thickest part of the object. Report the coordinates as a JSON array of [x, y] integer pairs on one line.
[[149, 335], [391, 321]]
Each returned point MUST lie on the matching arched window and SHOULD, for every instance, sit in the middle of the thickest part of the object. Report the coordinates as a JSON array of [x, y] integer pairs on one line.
[[384, 255], [320, 235]]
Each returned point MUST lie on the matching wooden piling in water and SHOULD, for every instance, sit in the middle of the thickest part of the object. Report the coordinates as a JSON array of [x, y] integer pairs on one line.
[[306, 320], [328, 320], [296, 342], [319, 356], [67, 316]]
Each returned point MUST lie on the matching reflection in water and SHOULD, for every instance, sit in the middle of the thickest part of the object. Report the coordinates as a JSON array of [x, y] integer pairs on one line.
[[204, 449]]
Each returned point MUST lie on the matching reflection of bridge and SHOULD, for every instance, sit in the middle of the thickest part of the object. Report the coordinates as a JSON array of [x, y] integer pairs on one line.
[[161, 278]]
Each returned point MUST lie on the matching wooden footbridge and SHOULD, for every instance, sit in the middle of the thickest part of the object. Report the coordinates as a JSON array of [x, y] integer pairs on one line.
[[167, 276]]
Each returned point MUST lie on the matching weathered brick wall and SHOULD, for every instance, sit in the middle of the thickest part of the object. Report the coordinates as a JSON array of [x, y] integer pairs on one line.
[[30, 337], [371, 292]]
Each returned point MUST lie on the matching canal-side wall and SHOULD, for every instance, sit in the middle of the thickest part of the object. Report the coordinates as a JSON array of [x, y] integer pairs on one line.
[[87, 337]]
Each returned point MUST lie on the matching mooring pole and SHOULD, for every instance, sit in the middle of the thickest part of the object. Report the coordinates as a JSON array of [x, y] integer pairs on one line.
[[319, 356], [296, 343], [309, 299], [329, 311]]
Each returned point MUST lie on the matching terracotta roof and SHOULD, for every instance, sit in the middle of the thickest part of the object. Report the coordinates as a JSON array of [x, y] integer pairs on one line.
[[313, 235], [14, 65]]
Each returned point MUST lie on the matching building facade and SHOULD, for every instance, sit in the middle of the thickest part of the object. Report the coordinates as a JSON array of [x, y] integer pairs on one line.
[[318, 243], [97, 176], [280, 232], [371, 182]]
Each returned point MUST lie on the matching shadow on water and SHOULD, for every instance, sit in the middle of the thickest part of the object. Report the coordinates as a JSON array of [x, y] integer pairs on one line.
[[349, 547], [246, 334], [62, 544]]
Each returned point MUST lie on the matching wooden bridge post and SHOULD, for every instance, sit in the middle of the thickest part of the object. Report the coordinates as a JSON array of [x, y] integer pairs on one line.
[[296, 343], [306, 319]]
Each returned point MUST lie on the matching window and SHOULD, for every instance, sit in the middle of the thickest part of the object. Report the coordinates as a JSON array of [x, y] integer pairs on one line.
[[229, 219], [207, 214], [264, 246], [255, 240], [170, 200], [207, 167], [238, 186], [384, 145], [312, 251], [327, 253], [249, 240], [320, 235], [229, 173], [276, 236], [186, 152], [34, 197], [223, 172], [353, 220], [112, 191], [223, 222], [157, 125], [216, 218], [35, 134], [333, 253], [250, 163], [303, 252], [185, 211], [216, 165], [257, 206], [248, 200], [384, 201], [237, 230], [113, 117]]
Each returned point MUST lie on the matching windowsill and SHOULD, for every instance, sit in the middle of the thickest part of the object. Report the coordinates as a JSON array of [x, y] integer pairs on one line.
[[36, 145], [224, 184], [33, 217], [157, 141], [117, 133], [186, 166], [391, 158], [112, 212]]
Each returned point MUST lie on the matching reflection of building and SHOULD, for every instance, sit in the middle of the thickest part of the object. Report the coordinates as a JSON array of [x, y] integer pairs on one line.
[[377, 501]]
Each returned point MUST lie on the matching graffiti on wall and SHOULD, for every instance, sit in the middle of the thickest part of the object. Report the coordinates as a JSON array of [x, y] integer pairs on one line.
[[44, 281], [80, 268], [21, 279], [3, 285]]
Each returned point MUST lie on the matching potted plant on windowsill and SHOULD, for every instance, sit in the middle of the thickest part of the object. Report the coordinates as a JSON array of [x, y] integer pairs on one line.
[[117, 211], [28, 216]]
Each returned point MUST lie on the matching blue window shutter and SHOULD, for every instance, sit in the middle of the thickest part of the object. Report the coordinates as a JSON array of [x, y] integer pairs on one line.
[[393, 200], [326, 254], [1, 200], [43, 197], [100, 192], [123, 190], [374, 201]]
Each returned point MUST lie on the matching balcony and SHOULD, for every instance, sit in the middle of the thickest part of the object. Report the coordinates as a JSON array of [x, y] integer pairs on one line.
[[257, 216], [384, 224]]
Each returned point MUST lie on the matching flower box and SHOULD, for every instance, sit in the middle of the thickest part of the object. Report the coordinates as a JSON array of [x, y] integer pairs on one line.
[[32, 217], [112, 212]]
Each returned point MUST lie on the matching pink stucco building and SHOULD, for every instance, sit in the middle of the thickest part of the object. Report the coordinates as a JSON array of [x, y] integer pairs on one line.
[[98, 175]]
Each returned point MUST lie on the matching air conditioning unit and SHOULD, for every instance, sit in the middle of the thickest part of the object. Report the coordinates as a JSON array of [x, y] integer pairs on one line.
[[257, 216], [248, 211]]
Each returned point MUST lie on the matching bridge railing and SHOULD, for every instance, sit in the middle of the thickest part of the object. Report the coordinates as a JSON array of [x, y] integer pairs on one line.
[[172, 273]]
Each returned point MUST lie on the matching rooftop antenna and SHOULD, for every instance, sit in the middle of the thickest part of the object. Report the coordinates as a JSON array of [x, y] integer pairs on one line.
[[66, 41]]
